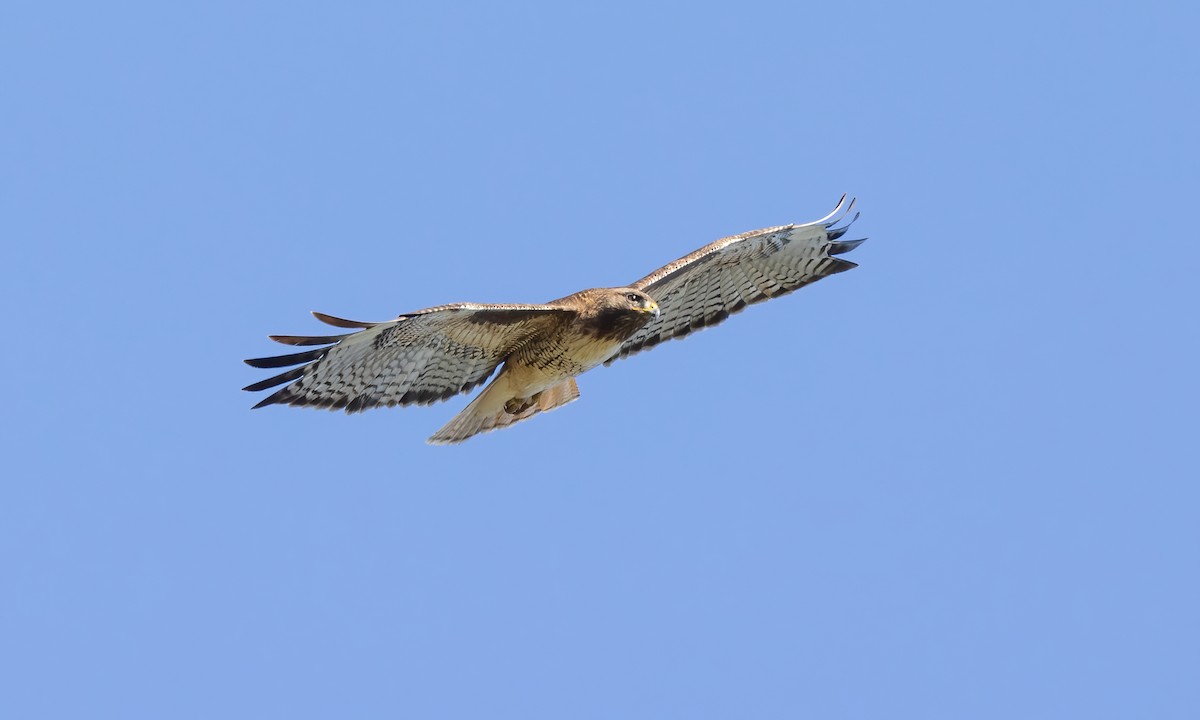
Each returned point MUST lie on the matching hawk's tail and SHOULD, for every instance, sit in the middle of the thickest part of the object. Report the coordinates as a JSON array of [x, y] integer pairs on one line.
[[487, 412]]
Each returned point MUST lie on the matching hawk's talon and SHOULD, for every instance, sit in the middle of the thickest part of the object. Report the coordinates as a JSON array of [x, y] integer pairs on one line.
[[516, 406]]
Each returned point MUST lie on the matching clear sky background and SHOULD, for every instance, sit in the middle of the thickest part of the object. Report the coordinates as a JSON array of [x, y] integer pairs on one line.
[[957, 482]]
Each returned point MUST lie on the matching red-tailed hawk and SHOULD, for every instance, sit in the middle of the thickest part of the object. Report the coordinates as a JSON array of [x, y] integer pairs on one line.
[[433, 354]]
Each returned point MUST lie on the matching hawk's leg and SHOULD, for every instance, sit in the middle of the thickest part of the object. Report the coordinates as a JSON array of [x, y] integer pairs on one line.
[[516, 406]]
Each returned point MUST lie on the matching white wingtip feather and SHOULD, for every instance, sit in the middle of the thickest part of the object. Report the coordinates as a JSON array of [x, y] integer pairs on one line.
[[834, 212]]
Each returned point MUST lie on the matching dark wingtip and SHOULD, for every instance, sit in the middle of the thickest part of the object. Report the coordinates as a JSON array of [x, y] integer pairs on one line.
[[286, 360], [342, 322], [845, 246], [307, 339], [838, 265], [293, 374], [285, 396], [269, 400]]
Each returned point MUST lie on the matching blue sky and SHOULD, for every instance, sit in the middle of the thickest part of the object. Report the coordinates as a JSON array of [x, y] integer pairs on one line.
[[959, 481]]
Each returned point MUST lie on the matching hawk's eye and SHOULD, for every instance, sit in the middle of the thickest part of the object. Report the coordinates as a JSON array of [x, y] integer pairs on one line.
[[633, 298]]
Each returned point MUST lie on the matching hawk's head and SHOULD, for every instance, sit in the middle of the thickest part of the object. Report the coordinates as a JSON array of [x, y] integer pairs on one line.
[[631, 300], [617, 313]]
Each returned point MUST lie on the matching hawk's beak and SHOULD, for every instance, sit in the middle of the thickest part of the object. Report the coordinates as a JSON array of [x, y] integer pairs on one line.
[[651, 308]]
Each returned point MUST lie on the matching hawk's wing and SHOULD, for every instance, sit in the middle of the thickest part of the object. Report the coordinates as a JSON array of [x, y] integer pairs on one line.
[[721, 278], [420, 358]]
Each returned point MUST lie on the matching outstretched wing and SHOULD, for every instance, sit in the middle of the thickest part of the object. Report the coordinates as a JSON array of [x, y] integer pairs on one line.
[[419, 358], [719, 279]]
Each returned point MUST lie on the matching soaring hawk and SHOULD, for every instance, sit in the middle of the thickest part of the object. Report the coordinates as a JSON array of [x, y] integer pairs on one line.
[[430, 355]]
